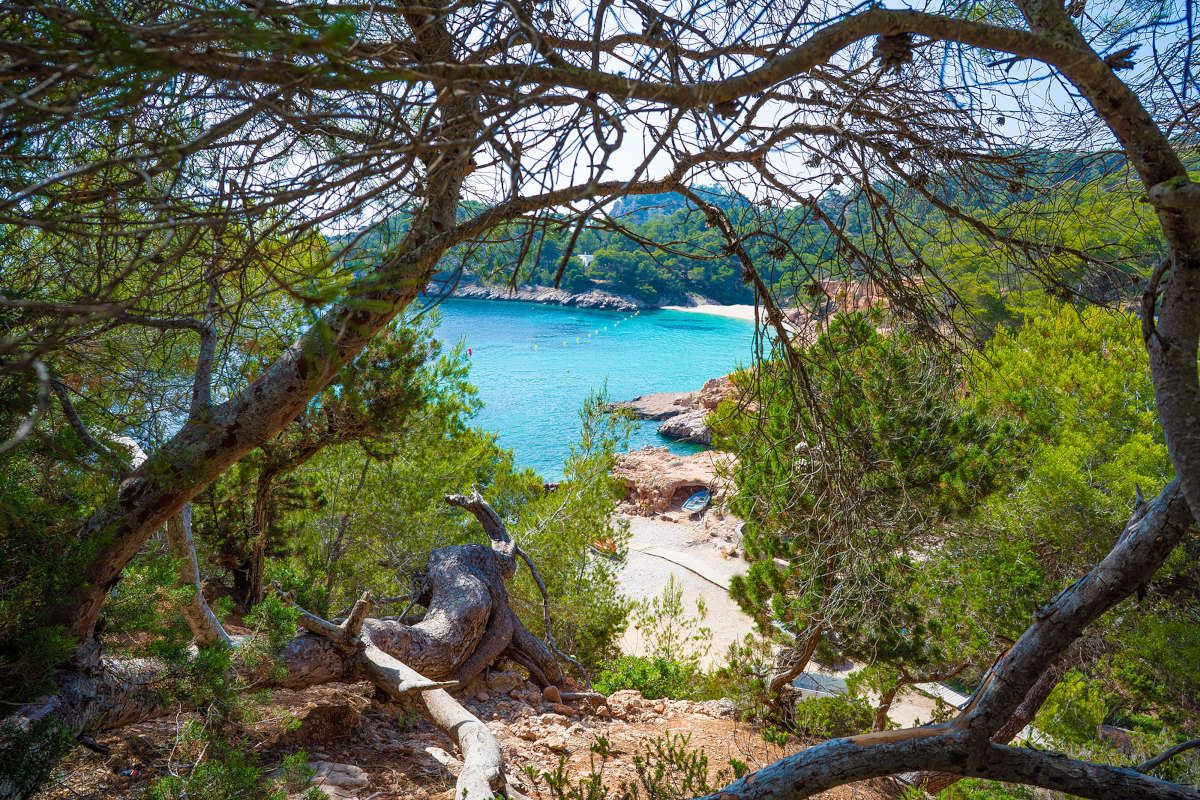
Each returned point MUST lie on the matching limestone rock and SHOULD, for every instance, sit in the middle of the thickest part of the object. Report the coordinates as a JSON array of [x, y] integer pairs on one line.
[[555, 742], [684, 414], [551, 694], [714, 391], [593, 298], [690, 426], [656, 406], [339, 781], [625, 703], [658, 480], [723, 708], [504, 682]]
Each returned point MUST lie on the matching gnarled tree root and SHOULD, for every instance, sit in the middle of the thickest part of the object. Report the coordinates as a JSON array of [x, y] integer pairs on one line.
[[482, 774], [468, 626]]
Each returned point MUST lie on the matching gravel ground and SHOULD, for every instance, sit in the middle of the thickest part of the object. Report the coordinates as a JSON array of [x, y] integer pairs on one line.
[[685, 550]]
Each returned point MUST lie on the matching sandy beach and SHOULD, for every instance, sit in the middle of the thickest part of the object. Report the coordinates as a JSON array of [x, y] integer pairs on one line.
[[745, 312]]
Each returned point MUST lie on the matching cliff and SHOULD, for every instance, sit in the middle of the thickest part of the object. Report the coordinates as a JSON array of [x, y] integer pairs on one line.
[[659, 480]]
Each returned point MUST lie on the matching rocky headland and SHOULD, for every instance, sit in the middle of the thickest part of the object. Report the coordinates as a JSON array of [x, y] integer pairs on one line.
[[684, 415]]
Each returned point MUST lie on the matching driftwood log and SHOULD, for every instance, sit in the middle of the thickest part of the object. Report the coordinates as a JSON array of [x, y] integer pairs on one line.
[[468, 626]]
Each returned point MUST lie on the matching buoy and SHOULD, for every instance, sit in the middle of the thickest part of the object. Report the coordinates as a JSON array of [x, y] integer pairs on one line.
[[468, 351]]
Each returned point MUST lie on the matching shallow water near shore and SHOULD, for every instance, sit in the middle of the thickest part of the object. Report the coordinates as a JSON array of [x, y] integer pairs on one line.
[[535, 365]]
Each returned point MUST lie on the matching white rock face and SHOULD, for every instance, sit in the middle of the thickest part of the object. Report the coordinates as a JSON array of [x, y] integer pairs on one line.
[[594, 298], [690, 426], [339, 781]]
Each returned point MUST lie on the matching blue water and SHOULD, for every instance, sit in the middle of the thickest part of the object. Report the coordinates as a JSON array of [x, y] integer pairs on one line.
[[536, 364]]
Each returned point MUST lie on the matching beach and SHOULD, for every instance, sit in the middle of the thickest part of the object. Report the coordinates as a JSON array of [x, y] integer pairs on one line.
[[743, 312]]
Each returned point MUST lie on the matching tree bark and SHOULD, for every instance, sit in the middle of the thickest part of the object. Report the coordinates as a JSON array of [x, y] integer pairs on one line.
[[785, 674], [468, 626]]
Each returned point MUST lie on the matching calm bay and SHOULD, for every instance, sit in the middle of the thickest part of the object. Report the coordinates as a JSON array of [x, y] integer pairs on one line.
[[535, 365]]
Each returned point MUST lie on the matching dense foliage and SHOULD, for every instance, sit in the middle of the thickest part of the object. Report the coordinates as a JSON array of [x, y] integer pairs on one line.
[[661, 249], [840, 508], [957, 503]]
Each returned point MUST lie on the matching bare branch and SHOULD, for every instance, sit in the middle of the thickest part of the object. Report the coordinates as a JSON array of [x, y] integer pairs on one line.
[[1149, 764], [205, 626], [42, 403]]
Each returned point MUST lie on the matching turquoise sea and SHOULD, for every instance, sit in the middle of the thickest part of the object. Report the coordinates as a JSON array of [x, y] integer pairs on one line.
[[535, 364]]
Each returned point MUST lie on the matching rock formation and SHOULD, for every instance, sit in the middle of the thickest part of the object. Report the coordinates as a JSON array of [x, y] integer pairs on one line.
[[593, 298], [659, 480], [684, 415]]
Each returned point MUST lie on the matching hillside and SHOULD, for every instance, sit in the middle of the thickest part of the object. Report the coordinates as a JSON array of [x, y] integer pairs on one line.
[[359, 748]]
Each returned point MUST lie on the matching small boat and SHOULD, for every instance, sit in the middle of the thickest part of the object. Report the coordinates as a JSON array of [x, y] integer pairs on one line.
[[605, 547], [697, 502]]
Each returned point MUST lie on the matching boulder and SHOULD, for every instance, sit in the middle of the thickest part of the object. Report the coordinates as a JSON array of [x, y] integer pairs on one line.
[[339, 781], [504, 682], [625, 703], [690, 426], [684, 414], [714, 391]]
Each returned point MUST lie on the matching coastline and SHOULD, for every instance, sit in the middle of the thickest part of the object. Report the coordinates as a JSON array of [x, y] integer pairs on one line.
[[595, 298], [598, 299], [742, 312]]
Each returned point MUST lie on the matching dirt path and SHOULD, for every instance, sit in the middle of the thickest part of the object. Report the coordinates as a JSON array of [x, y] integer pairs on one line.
[[659, 550], [691, 552]]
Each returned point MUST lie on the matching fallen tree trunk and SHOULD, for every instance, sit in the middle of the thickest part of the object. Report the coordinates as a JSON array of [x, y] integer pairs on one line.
[[468, 626]]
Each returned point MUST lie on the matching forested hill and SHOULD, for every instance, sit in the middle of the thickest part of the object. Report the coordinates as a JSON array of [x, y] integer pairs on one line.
[[661, 249]]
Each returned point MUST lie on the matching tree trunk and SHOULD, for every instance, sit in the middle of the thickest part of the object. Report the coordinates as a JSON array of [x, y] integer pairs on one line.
[[785, 673], [469, 625], [880, 722], [261, 522]]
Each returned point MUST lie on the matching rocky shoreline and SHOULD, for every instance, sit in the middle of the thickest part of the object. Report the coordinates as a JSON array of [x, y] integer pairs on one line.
[[530, 293], [684, 415]]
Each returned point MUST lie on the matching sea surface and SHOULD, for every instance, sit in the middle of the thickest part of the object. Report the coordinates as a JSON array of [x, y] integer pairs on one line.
[[535, 365]]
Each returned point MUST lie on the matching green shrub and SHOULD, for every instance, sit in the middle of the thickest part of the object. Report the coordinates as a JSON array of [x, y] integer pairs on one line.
[[666, 770], [238, 775], [24, 761], [1073, 711], [834, 717], [653, 677], [976, 789]]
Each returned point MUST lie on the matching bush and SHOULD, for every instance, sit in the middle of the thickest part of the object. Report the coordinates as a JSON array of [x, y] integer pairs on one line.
[[834, 717], [1073, 711], [653, 677], [666, 770], [977, 789]]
